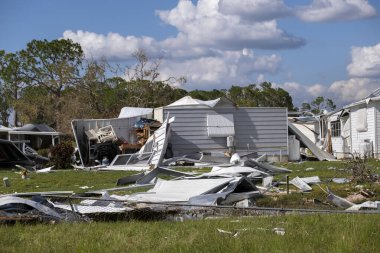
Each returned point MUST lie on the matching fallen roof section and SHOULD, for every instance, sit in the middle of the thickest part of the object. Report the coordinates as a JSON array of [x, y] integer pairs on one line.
[[319, 153]]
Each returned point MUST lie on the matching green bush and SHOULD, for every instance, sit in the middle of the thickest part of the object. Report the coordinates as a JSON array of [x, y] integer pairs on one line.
[[61, 155], [44, 152]]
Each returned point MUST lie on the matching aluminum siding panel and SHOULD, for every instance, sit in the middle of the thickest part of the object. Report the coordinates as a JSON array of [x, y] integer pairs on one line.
[[258, 129]]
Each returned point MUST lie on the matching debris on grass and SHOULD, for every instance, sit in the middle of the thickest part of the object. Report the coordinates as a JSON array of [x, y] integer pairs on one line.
[[279, 231]]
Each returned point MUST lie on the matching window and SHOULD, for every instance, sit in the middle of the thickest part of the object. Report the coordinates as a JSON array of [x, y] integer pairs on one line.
[[335, 128]]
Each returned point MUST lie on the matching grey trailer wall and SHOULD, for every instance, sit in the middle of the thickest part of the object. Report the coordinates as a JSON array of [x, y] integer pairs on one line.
[[264, 130]]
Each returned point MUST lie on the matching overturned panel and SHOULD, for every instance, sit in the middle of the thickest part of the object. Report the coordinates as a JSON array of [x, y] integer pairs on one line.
[[319, 153], [180, 190]]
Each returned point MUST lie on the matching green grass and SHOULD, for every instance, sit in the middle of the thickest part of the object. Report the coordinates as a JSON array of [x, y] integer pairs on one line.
[[303, 233], [69, 180], [322, 169]]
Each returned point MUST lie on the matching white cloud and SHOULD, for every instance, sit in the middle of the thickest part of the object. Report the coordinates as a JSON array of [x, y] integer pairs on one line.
[[204, 24], [303, 93], [354, 89], [112, 46], [260, 78], [315, 90], [258, 10], [222, 70], [335, 10], [365, 62]]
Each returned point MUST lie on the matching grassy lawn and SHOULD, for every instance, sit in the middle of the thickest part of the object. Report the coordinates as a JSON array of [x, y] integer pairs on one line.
[[303, 233], [70, 180], [326, 171]]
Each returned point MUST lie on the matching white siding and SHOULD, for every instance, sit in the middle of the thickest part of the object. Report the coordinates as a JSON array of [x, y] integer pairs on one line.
[[377, 129], [337, 144], [158, 114], [359, 137]]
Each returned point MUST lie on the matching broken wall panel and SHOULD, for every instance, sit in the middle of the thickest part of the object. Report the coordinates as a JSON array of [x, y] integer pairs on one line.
[[121, 126]]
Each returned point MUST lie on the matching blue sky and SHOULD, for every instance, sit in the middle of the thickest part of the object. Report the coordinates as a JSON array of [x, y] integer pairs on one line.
[[308, 47]]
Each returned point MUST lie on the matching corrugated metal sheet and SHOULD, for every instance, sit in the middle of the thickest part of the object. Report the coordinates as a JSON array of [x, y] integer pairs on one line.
[[221, 125], [258, 129], [160, 137]]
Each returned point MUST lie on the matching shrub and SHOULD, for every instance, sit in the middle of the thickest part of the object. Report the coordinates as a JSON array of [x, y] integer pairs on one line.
[[360, 169], [44, 152], [61, 155]]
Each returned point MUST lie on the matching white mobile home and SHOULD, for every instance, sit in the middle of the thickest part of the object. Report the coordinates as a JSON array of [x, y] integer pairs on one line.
[[212, 126], [355, 129]]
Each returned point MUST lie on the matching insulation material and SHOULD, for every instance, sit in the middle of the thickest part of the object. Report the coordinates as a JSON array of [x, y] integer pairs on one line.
[[362, 125]]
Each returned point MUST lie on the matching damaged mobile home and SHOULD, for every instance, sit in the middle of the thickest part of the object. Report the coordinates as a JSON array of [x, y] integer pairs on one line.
[[219, 125], [354, 129], [351, 130], [213, 129]]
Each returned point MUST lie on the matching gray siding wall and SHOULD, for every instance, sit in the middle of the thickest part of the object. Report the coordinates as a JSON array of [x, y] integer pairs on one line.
[[264, 130]]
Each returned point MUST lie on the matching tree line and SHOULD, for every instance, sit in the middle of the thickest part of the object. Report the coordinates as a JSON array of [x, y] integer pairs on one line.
[[52, 82]]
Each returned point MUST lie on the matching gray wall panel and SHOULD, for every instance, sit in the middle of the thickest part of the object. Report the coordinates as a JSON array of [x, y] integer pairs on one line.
[[262, 129]]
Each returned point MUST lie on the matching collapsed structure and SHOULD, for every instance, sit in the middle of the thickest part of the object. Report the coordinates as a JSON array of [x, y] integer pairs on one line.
[[355, 129], [351, 130], [215, 128]]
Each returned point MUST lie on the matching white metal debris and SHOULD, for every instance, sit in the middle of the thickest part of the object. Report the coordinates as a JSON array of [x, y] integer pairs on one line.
[[300, 184]]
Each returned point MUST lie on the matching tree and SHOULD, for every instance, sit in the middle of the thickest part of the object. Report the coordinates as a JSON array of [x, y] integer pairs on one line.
[[144, 85], [12, 78], [274, 97], [5, 109], [305, 107], [318, 105], [53, 65]]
